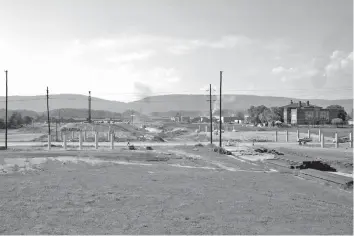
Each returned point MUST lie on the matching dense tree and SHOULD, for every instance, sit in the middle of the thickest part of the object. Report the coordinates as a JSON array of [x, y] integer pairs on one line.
[[27, 120], [337, 121], [342, 113], [254, 113], [240, 115], [15, 120], [277, 114], [2, 124]]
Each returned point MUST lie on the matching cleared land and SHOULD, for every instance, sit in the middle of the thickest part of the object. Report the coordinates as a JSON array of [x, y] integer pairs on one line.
[[170, 190]]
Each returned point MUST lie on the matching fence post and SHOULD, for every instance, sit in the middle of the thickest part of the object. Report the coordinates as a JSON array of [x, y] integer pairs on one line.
[[276, 136], [308, 133], [286, 136], [49, 141], [96, 140], [319, 135], [336, 140], [64, 140], [85, 136], [72, 135], [322, 141], [297, 134], [199, 128], [112, 141], [80, 140], [351, 139], [206, 128]]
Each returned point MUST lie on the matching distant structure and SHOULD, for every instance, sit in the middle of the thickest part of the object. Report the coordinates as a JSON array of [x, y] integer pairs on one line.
[[303, 113]]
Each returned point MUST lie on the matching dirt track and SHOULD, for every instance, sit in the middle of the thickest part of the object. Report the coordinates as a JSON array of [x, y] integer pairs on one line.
[[176, 196]]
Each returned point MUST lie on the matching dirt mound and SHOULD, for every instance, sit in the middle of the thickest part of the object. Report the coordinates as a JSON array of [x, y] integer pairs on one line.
[[158, 139], [316, 165]]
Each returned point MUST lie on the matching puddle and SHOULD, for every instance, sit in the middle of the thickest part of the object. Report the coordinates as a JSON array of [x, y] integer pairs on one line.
[[257, 157], [342, 174], [194, 167]]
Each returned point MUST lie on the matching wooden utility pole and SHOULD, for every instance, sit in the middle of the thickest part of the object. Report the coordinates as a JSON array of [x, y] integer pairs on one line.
[[220, 141], [6, 113], [211, 114], [48, 111], [132, 115], [56, 130], [89, 111]]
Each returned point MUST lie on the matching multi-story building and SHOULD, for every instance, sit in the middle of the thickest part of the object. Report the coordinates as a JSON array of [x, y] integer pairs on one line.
[[306, 114]]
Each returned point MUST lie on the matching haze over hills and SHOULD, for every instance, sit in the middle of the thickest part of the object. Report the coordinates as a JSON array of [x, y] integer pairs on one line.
[[197, 104]]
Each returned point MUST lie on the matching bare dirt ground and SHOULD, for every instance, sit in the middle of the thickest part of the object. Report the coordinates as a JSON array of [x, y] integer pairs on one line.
[[170, 190]]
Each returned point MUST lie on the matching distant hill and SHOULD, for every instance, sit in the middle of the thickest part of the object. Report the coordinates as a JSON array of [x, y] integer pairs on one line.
[[231, 102], [164, 103], [59, 101]]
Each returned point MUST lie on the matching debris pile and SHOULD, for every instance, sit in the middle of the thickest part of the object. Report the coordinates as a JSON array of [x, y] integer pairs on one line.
[[222, 151], [265, 150], [316, 165]]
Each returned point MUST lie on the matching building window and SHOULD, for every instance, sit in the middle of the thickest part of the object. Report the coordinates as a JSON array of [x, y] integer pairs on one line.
[[309, 115], [324, 115]]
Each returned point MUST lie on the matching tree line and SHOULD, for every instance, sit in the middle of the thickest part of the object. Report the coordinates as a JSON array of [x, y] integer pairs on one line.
[[16, 121], [263, 114]]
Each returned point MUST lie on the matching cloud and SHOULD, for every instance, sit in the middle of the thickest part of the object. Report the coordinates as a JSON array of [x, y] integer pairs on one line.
[[181, 47], [160, 75], [130, 57], [340, 63], [333, 70], [230, 41]]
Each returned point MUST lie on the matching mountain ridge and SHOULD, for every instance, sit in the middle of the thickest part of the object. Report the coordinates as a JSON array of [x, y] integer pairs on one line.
[[158, 103]]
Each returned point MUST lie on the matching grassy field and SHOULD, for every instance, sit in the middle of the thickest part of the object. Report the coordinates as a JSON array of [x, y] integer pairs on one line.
[[193, 191]]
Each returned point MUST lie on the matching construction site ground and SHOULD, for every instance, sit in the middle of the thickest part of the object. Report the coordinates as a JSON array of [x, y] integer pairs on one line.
[[176, 189]]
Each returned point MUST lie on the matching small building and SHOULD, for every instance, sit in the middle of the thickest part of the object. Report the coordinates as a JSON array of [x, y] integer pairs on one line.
[[350, 122], [302, 113], [229, 119]]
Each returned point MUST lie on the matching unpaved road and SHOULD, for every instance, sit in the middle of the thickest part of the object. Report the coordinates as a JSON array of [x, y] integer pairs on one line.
[[194, 192]]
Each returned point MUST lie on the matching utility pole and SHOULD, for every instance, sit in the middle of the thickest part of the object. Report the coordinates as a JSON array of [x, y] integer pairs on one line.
[[211, 114], [220, 141], [48, 111], [89, 112], [56, 130], [132, 115], [6, 113], [59, 117]]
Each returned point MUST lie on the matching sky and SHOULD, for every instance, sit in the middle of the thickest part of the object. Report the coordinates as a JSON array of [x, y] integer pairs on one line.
[[127, 49]]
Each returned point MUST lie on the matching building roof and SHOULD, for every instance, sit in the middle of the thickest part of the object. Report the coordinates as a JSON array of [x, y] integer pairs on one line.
[[303, 105]]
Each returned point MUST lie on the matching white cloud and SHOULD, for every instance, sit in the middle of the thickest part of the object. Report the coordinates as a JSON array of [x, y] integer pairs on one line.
[[340, 62], [331, 71], [281, 70], [230, 41], [181, 47], [130, 57]]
